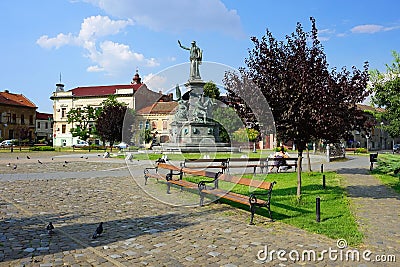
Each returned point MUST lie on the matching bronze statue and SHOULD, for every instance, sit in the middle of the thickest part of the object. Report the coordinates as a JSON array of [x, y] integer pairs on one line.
[[196, 56]]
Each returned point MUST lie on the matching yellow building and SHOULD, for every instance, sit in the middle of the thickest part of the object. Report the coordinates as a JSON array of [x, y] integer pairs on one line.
[[156, 118]]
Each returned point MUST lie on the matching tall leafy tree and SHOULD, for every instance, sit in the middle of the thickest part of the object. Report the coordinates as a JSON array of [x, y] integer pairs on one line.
[[386, 87], [82, 120], [211, 90], [110, 122], [228, 120], [308, 101]]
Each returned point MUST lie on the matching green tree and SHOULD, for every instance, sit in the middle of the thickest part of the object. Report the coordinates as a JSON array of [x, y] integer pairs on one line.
[[245, 135], [110, 122], [386, 87], [308, 101], [82, 119], [228, 120], [211, 90]]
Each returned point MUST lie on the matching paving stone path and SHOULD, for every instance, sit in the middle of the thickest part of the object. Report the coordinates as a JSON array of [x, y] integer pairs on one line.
[[140, 230], [377, 208]]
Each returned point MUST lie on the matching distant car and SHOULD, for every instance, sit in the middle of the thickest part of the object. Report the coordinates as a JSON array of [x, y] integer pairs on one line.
[[7, 143], [81, 144], [396, 148], [122, 145]]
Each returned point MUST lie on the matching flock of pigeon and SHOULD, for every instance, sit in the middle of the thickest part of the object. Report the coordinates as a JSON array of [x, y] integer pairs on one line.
[[14, 166], [96, 234]]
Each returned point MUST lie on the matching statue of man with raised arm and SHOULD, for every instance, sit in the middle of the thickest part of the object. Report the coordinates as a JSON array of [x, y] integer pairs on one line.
[[196, 56]]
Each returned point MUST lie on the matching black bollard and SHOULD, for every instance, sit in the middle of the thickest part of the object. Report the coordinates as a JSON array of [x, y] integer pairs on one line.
[[323, 182], [322, 168], [318, 209]]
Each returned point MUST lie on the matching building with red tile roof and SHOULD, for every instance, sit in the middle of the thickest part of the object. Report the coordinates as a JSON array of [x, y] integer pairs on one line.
[[44, 128], [17, 117], [136, 95]]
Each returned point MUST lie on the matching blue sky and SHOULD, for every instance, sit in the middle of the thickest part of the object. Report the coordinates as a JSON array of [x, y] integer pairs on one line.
[[102, 42]]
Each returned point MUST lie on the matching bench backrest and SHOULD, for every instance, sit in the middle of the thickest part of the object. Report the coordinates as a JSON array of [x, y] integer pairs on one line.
[[187, 170], [221, 177], [205, 160], [245, 181], [245, 159]]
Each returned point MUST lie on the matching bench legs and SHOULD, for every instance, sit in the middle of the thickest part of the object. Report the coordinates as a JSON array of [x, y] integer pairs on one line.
[[253, 204]]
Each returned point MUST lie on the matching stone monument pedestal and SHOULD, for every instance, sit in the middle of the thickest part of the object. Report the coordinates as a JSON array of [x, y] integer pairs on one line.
[[193, 129]]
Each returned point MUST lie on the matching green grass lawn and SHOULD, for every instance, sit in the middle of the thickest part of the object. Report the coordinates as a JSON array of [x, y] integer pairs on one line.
[[385, 170], [337, 221]]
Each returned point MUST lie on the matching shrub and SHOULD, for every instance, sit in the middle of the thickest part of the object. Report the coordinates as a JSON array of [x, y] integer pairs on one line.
[[278, 148], [361, 150], [42, 148]]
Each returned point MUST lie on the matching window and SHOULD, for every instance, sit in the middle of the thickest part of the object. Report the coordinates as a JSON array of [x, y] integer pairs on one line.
[[8, 117], [38, 124], [140, 125], [63, 128], [147, 125], [46, 125], [22, 119], [154, 125], [10, 134], [63, 112], [14, 118], [164, 124], [31, 120]]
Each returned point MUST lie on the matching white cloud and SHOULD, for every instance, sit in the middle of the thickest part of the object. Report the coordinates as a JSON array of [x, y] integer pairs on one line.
[[325, 34], [113, 57], [372, 28], [176, 15], [58, 41], [155, 81], [94, 69], [107, 56], [367, 28], [98, 26]]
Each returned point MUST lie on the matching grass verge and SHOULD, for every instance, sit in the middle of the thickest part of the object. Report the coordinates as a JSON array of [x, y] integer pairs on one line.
[[387, 170], [337, 221]]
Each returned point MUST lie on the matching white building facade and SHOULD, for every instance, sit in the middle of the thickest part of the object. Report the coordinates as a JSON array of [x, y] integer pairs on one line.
[[136, 95]]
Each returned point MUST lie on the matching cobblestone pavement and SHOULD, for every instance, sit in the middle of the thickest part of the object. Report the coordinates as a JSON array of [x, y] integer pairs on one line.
[[139, 230]]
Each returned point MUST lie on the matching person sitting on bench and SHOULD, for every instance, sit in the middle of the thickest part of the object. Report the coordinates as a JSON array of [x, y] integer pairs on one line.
[[280, 162]]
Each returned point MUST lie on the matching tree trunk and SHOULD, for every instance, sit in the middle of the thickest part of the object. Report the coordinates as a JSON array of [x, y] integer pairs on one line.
[[300, 156], [308, 160]]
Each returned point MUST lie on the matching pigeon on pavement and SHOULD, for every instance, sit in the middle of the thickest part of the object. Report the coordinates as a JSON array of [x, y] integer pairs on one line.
[[50, 228], [9, 164], [28, 157], [15, 167], [98, 231], [39, 162]]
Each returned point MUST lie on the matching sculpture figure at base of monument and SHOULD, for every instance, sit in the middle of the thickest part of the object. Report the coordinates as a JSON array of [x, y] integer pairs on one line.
[[202, 109]]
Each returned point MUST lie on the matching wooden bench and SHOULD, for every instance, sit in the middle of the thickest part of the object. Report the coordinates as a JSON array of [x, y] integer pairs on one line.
[[247, 163], [252, 199], [277, 162], [206, 163]]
